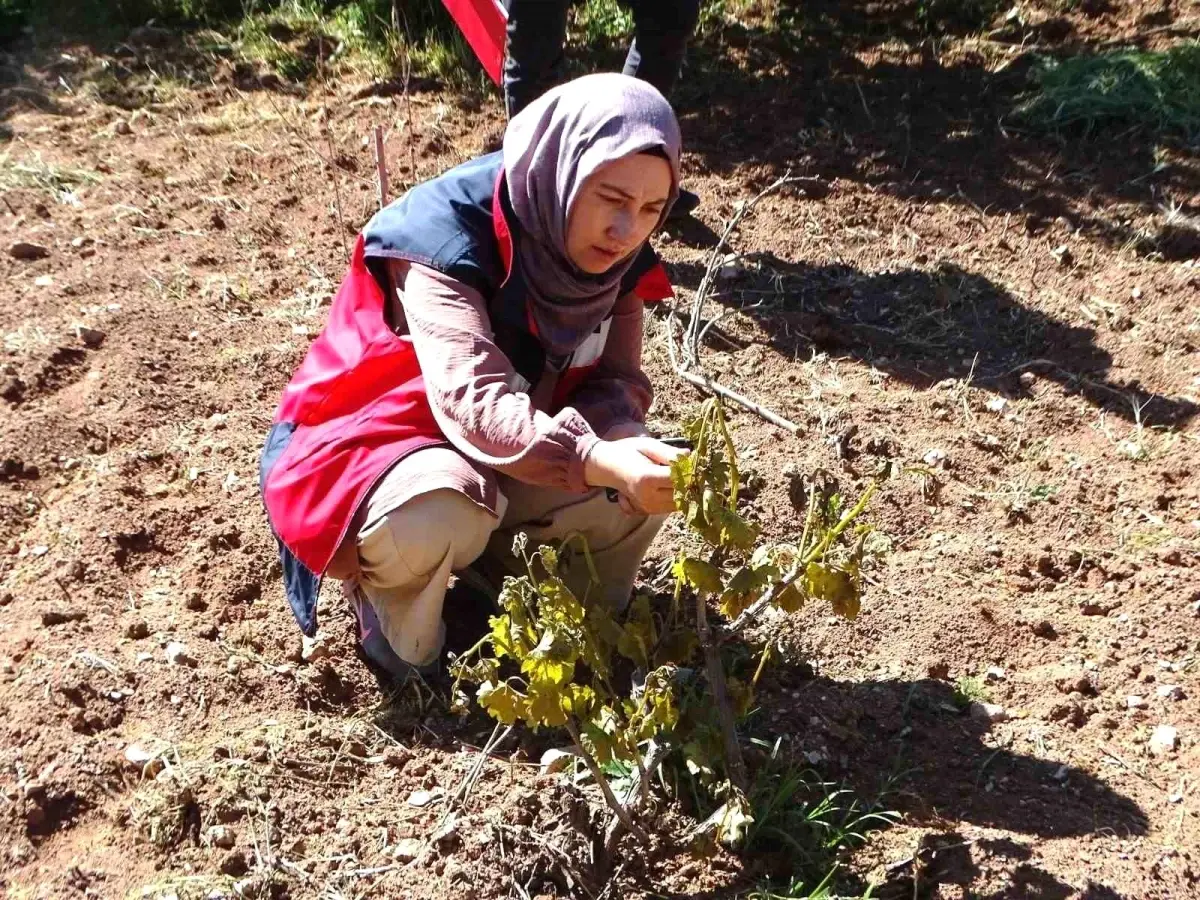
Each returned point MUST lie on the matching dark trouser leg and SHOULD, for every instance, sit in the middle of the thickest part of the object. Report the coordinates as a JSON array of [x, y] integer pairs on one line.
[[661, 32], [537, 30]]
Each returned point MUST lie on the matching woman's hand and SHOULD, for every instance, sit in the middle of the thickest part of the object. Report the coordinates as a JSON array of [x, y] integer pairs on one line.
[[638, 468]]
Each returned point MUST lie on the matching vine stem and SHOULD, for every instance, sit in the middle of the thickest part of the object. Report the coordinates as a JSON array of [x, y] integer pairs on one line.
[[610, 798], [734, 762], [755, 609]]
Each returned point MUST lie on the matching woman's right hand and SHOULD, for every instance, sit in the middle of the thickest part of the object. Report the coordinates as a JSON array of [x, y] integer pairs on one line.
[[638, 468]]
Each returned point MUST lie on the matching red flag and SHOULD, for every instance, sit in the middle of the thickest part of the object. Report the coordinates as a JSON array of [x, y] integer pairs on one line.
[[482, 23]]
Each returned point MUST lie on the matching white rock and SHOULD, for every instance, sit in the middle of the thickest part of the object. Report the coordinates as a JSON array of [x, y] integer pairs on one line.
[[988, 712], [149, 764], [995, 673], [556, 761], [221, 836], [996, 404], [178, 655], [1164, 740], [1169, 691], [1028, 379], [407, 850], [424, 798], [313, 649], [1133, 701], [234, 664], [934, 457]]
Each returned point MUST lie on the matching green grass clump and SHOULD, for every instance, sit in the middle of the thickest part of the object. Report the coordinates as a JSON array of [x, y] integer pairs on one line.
[[1123, 90]]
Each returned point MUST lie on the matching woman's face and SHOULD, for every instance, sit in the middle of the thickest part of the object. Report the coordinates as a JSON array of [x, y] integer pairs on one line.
[[616, 209]]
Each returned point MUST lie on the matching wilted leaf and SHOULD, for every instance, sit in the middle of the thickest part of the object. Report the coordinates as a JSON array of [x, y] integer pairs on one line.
[[545, 704], [730, 822], [502, 701], [639, 634], [835, 585], [736, 531], [790, 599], [700, 575]]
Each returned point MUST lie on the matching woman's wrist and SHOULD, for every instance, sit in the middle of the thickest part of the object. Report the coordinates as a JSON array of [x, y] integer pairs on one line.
[[597, 471]]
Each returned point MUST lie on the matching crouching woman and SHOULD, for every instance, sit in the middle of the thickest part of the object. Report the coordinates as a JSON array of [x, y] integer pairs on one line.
[[480, 375]]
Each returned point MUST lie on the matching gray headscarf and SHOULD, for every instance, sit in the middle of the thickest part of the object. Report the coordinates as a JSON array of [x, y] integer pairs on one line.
[[550, 149]]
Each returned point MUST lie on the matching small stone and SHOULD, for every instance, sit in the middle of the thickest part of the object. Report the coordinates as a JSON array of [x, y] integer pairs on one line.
[[147, 763], [59, 616], [423, 798], [235, 864], [1061, 773], [137, 630], [996, 404], [1164, 739], [234, 664], [92, 338], [221, 836], [407, 850], [556, 761], [24, 250], [988, 712], [195, 601], [1028, 379], [1044, 629], [313, 649], [396, 757], [178, 655], [208, 632], [935, 457], [1133, 701], [122, 127], [995, 673], [1169, 692], [1063, 255], [1136, 293]]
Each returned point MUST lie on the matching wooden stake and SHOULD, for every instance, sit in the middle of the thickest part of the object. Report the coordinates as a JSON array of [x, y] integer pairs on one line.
[[381, 167]]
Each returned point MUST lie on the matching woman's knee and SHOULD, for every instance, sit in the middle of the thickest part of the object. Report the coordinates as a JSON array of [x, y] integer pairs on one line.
[[413, 541]]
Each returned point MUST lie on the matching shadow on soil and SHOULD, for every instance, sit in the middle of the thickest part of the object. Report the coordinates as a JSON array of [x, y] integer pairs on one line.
[[912, 735], [858, 90], [923, 326]]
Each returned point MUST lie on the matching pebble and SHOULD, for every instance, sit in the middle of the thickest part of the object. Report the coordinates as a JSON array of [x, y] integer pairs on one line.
[[59, 616], [122, 127], [1133, 701], [221, 836], [1169, 691], [143, 760], [234, 664], [934, 457], [92, 338], [313, 649], [988, 712], [423, 798], [27, 251], [995, 673], [1028, 379], [556, 761], [178, 655], [1164, 739], [407, 850]]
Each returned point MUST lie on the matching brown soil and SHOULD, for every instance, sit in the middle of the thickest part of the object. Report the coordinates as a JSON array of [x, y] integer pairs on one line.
[[942, 283]]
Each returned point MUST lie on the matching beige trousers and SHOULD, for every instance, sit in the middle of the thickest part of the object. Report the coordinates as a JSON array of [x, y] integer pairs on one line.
[[407, 550]]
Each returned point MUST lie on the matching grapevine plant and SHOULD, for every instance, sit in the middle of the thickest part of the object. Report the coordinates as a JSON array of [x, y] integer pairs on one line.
[[629, 686]]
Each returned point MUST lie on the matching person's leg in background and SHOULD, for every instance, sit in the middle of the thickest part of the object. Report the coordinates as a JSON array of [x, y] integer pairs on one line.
[[534, 62], [662, 29]]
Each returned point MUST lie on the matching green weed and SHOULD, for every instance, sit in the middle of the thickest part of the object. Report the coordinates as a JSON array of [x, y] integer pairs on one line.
[[970, 689], [1132, 90]]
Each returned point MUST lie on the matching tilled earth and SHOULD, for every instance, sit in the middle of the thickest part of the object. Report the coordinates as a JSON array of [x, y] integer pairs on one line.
[[1007, 319]]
